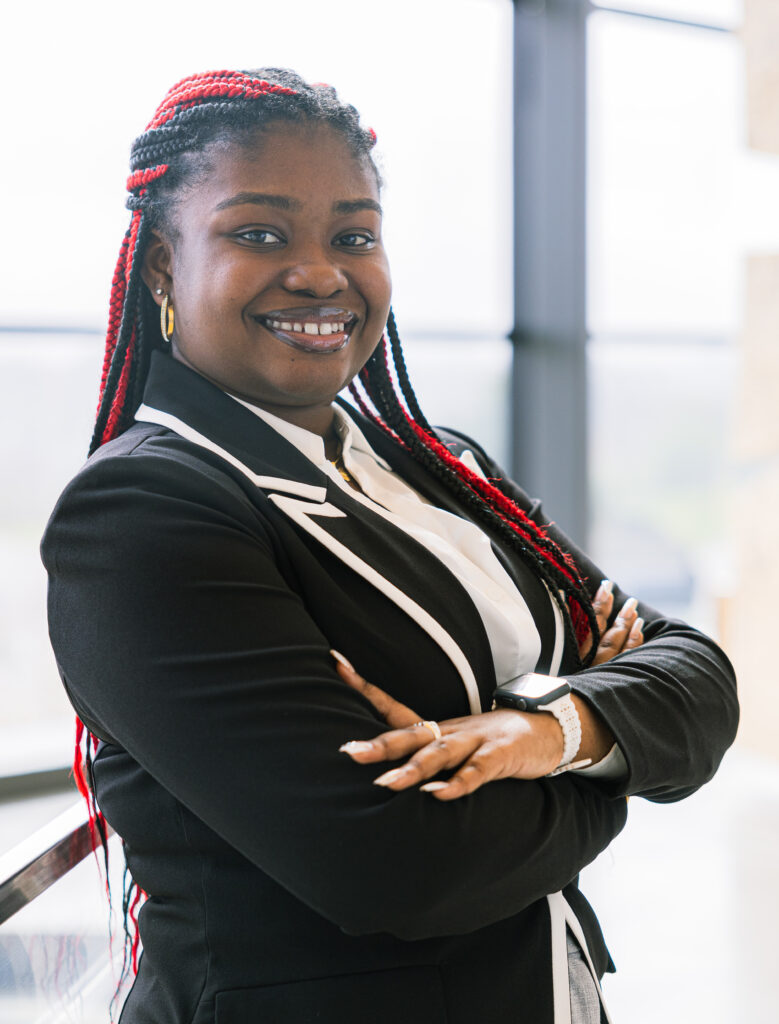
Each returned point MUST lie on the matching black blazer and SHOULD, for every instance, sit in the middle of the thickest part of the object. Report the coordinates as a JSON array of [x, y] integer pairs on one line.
[[200, 570]]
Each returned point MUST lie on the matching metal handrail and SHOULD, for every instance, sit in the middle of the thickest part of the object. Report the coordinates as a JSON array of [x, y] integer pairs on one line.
[[39, 861]]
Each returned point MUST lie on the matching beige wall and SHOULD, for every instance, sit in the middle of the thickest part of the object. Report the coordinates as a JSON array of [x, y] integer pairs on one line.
[[751, 619], [761, 44], [751, 622]]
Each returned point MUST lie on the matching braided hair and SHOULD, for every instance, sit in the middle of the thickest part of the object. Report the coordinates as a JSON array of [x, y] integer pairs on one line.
[[231, 107]]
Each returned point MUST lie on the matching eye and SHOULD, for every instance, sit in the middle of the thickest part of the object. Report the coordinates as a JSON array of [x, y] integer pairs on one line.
[[261, 237], [356, 240]]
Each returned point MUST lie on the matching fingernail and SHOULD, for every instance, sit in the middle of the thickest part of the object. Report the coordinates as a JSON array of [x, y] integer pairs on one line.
[[433, 787], [356, 747], [638, 626], [628, 610], [344, 661], [606, 587], [389, 777]]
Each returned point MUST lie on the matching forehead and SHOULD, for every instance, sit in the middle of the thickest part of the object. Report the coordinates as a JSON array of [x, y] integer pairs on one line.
[[306, 162]]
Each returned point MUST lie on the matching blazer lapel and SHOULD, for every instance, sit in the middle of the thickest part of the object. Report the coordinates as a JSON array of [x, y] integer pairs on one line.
[[408, 574]]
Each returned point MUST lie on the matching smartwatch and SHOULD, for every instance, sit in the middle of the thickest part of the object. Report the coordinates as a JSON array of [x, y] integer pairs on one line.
[[533, 692], [530, 692]]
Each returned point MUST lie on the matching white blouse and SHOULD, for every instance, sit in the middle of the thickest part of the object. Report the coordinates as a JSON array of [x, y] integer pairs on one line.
[[462, 547]]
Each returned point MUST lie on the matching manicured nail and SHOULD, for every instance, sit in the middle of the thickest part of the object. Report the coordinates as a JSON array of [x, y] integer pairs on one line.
[[356, 747], [638, 626], [433, 787], [389, 777], [627, 612], [606, 587], [344, 661]]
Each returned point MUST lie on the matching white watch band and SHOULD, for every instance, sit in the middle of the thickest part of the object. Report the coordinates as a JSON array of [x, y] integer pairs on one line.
[[566, 714]]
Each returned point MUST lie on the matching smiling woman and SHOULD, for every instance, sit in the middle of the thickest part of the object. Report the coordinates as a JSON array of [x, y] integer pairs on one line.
[[241, 535]]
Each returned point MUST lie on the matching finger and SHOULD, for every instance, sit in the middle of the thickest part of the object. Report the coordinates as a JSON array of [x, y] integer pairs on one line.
[[627, 613], [389, 746], [602, 603], [636, 635], [479, 769], [614, 639], [392, 711], [431, 759]]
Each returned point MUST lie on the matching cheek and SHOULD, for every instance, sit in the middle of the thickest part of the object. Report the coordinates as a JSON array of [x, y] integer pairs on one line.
[[379, 289]]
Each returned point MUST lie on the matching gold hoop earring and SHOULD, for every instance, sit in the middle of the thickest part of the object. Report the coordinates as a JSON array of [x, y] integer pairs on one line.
[[166, 320]]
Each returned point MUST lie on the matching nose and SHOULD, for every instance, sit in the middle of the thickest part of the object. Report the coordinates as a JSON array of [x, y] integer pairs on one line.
[[315, 273]]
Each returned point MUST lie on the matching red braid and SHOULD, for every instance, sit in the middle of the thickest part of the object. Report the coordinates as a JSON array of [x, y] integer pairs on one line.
[[115, 309], [212, 85], [126, 262], [132, 913], [140, 178], [82, 760]]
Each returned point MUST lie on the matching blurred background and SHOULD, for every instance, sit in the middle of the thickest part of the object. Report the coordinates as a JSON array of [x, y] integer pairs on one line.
[[583, 225]]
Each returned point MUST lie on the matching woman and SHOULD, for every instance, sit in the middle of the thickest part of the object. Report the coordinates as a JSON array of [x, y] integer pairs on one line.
[[236, 524]]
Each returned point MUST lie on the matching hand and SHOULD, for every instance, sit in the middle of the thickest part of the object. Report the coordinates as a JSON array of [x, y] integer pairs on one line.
[[499, 744], [626, 633]]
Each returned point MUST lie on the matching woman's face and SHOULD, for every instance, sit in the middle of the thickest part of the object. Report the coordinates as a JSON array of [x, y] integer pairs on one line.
[[277, 273]]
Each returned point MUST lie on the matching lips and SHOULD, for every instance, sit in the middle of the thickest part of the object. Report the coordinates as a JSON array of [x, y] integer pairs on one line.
[[310, 329]]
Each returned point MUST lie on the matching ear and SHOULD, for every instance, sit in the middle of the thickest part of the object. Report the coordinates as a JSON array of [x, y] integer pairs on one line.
[[156, 269]]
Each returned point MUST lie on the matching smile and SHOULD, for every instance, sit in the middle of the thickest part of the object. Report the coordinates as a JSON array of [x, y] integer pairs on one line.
[[311, 330]]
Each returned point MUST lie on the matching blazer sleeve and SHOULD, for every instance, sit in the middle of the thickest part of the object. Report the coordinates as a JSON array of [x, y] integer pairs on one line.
[[180, 639], [671, 703]]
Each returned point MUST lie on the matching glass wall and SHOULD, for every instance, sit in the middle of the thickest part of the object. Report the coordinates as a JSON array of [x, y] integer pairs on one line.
[[675, 203], [433, 79]]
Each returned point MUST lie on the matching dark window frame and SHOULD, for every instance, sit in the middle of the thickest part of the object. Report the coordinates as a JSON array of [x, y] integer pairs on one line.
[[549, 442]]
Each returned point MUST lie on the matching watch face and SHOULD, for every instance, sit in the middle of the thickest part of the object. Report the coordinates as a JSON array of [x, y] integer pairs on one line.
[[530, 691]]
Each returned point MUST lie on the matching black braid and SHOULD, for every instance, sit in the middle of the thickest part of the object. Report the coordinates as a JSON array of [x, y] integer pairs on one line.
[[403, 378]]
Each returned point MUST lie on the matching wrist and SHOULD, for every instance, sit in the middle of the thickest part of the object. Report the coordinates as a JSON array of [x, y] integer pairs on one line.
[[597, 739]]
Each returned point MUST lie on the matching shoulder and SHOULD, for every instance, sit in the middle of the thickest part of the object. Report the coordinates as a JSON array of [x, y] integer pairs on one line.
[[461, 444], [466, 449], [144, 480], [155, 459]]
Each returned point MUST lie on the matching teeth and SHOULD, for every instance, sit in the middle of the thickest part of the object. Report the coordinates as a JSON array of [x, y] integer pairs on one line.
[[309, 327]]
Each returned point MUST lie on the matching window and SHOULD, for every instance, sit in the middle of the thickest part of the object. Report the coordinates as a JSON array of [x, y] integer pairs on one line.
[[675, 204]]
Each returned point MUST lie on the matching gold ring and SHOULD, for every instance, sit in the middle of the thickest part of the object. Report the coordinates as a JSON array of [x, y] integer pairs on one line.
[[432, 726]]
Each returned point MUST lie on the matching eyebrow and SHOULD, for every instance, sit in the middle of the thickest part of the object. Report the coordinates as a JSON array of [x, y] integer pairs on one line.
[[341, 206], [355, 205], [260, 199]]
